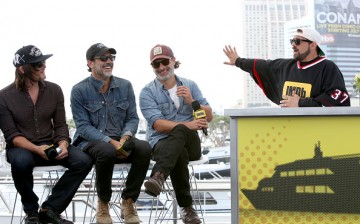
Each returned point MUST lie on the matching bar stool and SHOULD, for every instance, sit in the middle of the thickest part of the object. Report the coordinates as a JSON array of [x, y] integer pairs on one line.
[[120, 173], [52, 176], [168, 210]]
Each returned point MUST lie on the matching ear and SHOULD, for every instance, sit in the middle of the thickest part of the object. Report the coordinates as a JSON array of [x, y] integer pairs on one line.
[[21, 69], [90, 63]]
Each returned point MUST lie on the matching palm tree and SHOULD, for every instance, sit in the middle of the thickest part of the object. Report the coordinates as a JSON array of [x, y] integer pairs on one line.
[[357, 83], [356, 86]]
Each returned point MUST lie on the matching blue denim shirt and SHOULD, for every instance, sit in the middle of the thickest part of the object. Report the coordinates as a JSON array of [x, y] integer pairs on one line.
[[89, 110], [156, 103]]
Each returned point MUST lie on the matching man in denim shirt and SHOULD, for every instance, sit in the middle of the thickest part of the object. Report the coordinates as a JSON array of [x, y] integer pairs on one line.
[[104, 111], [166, 103]]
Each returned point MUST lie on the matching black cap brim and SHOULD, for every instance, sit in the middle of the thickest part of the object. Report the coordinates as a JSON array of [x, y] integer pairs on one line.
[[42, 58], [104, 50], [39, 59]]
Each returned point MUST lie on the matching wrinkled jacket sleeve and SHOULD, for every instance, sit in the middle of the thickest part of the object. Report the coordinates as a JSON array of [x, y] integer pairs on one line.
[[149, 107], [333, 92], [261, 71], [61, 130], [81, 118], [132, 119], [7, 123]]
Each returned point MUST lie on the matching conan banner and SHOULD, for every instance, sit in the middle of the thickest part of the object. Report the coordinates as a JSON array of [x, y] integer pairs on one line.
[[338, 22]]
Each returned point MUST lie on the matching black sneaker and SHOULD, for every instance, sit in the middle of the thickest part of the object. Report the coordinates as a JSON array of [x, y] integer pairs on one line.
[[49, 216], [32, 218]]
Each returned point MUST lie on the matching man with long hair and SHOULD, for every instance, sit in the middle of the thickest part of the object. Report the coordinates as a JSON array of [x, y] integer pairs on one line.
[[32, 118]]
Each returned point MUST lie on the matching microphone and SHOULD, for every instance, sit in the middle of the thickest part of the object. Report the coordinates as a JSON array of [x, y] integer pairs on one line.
[[199, 113]]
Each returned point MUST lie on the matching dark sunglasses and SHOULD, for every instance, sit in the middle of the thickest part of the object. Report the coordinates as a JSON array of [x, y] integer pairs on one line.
[[106, 57], [297, 41], [38, 64], [156, 64]]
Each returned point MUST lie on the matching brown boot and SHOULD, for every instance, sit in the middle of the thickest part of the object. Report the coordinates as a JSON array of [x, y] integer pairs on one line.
[[154, 184], [128, 212], [189, 215], [102, 213]]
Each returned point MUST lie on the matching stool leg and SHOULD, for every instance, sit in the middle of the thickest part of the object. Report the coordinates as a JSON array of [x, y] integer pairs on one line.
[[195, 192], [92, 191], [13, 211]]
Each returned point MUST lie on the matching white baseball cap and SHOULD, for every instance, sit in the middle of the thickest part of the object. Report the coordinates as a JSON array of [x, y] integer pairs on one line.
[[311, 34]]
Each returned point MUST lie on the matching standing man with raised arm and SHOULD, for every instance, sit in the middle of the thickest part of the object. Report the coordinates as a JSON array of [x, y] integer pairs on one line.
[[166, 103], [32, 117], [104, 111], [307, 80]]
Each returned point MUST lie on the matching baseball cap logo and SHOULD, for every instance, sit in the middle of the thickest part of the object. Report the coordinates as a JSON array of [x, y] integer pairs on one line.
[[35, 52], [100, 46], [157, 50], [18, 58]]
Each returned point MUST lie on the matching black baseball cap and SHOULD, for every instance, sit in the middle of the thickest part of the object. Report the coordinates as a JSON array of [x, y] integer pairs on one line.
[[29, 54], [98, 49]]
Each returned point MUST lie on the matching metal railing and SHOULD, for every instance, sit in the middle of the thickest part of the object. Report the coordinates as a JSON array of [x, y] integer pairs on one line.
[[80, 199]]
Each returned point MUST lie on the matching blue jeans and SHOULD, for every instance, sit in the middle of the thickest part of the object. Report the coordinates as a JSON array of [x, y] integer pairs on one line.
[[172, 155], [104, 155], [22, 163]]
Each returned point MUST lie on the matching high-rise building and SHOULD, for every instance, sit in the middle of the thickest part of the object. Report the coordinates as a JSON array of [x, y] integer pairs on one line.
[[263, 23], [268, 24]]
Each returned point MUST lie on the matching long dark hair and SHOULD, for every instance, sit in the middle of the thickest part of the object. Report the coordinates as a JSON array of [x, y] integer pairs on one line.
[[21, 78]]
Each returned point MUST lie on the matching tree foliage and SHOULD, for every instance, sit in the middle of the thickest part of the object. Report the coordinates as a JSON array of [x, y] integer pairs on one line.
[[356, 83], [219, 120], [70, 122]]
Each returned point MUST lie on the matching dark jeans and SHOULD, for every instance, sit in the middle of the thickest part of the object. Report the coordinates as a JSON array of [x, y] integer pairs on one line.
[[104, 155], [172, 155], [22, 163]]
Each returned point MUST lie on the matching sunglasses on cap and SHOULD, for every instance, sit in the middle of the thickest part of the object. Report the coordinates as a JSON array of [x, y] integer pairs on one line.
[[156, 64], [106, 57], [38, 64], [297, 41]]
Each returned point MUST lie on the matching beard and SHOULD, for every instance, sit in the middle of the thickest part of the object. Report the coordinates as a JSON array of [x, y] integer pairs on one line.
[[301, 57], [35, 74], [166, 77], [99, 71]]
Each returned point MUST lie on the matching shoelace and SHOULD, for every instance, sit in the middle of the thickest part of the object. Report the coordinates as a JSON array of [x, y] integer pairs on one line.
[[129, 208], [103, 208], [190, 211]]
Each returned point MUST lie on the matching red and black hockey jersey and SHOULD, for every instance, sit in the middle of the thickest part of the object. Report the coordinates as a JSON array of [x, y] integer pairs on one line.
[[319, 83]]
